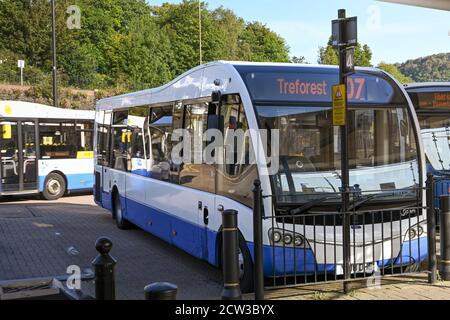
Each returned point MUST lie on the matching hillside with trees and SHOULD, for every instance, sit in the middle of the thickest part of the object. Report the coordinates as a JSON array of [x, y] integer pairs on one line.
[[432, 68], [128, 45], [125, 45]]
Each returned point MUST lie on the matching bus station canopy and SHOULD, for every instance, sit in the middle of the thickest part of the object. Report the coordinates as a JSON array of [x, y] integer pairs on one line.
[[433, 4]]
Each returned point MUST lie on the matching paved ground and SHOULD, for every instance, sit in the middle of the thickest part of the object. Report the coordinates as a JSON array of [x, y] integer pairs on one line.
[[39, 239], [411, 287]]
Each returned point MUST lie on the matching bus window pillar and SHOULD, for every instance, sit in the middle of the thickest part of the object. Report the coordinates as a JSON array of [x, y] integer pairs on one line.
[[381, 138]]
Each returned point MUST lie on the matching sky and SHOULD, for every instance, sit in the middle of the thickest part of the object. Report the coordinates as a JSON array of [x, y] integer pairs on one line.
[[394, 32]]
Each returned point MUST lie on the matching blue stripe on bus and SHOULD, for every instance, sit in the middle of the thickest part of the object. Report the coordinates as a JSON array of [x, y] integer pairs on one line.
[[300, 261], [183, 234], [82, 181], [192, 239]]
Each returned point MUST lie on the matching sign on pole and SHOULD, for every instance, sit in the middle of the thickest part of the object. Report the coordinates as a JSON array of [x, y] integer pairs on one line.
[[349, 61], [339, 105], [21, 66], [345, 32]]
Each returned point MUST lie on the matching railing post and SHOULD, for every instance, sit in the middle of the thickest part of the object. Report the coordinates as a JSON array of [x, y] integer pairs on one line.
[[230, 256], [258, 241], [445, 237], [105, 287], [161, 291], [431, 229]]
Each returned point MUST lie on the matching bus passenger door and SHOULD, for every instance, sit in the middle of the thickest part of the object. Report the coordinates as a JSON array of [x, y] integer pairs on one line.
[[19, 170], [9, 143], [30, 159]]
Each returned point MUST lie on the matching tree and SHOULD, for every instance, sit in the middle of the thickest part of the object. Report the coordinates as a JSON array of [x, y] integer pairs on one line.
[[299, 59], [180, 22], [230, 27], [147, 54], [329, 55], [258, 43], [393, 70], [128, 44], [427, 69]]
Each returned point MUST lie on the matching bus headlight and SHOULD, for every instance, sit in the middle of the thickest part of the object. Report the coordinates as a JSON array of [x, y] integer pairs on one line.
[[285, 238], [416, 231]]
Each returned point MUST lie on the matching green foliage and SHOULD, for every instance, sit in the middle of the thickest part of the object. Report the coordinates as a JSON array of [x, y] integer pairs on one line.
[[393, 70], [126, 44], [329, 55], [434, 68], [300, 59], [260, 44]]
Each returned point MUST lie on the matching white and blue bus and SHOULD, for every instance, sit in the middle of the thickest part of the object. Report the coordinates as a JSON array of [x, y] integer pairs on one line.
[[45, 150], [140, 182], [432, 103]]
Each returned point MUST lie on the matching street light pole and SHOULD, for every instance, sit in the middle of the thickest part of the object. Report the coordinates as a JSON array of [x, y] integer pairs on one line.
[[55, 82], [200, 30]]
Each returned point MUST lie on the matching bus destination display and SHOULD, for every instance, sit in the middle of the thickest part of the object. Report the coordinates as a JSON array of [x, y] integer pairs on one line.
[[434, 100]]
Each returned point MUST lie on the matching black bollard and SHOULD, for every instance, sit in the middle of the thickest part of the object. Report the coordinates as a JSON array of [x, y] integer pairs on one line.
[[258, 240], [431, 229], [105, 287], [445, 238], [161, 291], [230, 256]]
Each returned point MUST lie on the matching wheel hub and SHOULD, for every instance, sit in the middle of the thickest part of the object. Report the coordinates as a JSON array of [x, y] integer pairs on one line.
[[54, 187]]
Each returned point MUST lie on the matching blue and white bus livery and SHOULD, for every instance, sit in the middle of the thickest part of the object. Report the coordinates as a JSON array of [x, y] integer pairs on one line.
[[45, 150], [432, 103], [137, 179]]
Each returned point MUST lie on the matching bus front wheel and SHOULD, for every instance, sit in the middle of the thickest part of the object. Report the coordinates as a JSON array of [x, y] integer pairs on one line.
[[54, 187], [121, 222]]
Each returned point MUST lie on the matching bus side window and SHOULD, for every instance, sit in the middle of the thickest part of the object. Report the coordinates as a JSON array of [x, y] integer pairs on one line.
[[197, 174], [84, 130], [106, 150], [236, 175], [120, 140], [137, 124], [161, 166], [99, 131], [58, 140]]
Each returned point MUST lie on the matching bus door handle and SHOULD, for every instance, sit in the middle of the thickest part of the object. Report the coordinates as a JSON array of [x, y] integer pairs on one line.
[[206, 216]]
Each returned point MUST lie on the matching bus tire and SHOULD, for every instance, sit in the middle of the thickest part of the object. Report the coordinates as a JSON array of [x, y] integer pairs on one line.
[[121, 222], [246, 267], [54, 187]]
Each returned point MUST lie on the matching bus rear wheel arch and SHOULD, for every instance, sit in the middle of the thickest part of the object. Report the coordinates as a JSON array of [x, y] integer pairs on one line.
[[55, 186]]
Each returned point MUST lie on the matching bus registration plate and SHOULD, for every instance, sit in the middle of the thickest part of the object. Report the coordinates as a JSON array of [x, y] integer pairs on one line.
[[358, 268]]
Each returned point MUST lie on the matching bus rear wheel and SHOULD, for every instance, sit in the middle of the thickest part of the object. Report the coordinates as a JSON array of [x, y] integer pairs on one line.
[[54, 187], [121, 222]]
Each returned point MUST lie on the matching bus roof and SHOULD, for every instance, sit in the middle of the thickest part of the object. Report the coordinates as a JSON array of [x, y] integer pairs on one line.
[[19, 109], [426, 85], [193, 86]]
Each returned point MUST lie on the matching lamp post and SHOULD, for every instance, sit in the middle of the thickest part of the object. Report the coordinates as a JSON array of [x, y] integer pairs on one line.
[[55, 82], [200, 30]]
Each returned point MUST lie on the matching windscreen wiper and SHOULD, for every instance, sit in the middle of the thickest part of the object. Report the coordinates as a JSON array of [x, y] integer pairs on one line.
[[356, 204], [309, 205]]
